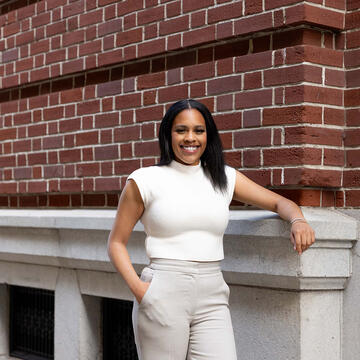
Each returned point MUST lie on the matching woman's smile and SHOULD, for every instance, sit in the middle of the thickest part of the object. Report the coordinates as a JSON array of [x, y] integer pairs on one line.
[[188, 136]]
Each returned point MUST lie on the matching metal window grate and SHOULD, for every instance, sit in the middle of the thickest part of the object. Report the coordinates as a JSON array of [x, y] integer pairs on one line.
[[118, 335], [31, 323]]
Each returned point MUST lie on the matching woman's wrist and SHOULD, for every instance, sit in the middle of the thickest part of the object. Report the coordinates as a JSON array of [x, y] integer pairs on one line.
[[299, 219]]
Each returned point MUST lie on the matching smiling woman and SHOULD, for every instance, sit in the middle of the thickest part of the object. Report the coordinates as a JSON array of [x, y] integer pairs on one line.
[[181, 301], [188, 137]]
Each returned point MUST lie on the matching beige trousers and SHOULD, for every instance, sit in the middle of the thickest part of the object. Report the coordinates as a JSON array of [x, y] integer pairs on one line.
[[184, 314]]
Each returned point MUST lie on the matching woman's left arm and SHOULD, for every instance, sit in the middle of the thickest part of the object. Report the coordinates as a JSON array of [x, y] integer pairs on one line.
[[247, 191]]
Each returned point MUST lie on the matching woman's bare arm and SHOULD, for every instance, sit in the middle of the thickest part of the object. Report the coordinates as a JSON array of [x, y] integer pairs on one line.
[[247, 191], [129, 211]]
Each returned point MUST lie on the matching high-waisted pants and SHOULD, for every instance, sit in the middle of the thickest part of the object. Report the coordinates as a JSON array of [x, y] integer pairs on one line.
[[184, 314]]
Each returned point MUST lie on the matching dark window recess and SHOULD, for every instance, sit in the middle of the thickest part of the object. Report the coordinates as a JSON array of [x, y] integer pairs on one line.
[[31, 323], [118, 335]]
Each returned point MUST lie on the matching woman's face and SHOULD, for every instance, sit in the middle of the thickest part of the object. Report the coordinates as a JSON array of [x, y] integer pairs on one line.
[[188, 136]]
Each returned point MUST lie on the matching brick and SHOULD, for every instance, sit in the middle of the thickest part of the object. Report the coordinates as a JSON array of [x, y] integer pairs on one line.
[[190, 5], [110, 57], [53, 113], [52, 142], [73, 155], [352, 39], [151, 47], [253, 6], [291, 75], [352, 137], [224, 102], [313, 135], [147, 148], [315, 55], [224, 85], [7, 134], [173, 76], [74, 8], [353, 158], [110, 26], [107, 120], [352, 78], [223, 30], [109, 88], [261, 177], [225, 12], [72, 66], [253, 24], [352, 198], [88, 107], [92, 47], [127, 101], [37, 130], [172, 93], [334, 157], [41, 46], [314, 94], [73, 37], [252, 80], [87, 138], [253, 62], [128, 133], [353, 117], [253, 99], [106, 152], [251, 118], [352, 97], [334, 116], [254, 137], [351, 178], [292, 156], [312, 177], [149, 81], [129, 37], [69, 96], [199, 36], [90, 18], [149, 113], [87, 169], [151, 15], [107, 184], [352, 20], [337, 78], [124, 167], [307, 14], [252, 158], [41, 19], [174, 25]]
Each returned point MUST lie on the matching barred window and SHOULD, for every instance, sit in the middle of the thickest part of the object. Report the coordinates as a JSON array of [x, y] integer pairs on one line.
[[31, 323], [118, 335]]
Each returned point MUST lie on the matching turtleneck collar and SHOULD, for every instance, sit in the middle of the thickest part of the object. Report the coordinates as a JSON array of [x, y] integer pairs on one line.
[[190, 169]]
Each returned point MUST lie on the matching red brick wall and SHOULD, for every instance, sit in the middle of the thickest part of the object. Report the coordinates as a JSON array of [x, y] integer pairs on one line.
[[84, 85]]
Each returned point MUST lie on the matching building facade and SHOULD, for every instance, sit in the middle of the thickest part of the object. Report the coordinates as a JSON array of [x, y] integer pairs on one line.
[[84, 86]]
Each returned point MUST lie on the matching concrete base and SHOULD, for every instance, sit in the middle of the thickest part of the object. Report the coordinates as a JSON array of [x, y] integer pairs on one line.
[[283, 306]]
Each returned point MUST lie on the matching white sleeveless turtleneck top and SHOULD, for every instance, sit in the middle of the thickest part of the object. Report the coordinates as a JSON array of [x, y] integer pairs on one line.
[[184, 217]]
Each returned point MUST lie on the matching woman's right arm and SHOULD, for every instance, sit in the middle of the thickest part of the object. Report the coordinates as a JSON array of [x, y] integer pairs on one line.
[[129, 211]]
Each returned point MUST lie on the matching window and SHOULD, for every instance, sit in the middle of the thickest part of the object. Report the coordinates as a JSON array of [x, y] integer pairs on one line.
[[118, 336], [31, 323]]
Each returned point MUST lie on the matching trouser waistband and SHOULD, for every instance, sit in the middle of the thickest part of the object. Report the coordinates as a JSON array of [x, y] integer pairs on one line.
[[185, 266]]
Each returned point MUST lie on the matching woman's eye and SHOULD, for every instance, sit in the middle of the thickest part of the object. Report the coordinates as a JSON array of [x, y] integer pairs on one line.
[[180, 131], [200, 131]]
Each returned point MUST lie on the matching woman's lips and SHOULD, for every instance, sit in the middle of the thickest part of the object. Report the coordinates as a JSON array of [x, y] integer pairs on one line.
[[189, 149]]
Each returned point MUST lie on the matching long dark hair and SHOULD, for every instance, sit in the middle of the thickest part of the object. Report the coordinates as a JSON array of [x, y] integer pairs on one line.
[[212, 160]]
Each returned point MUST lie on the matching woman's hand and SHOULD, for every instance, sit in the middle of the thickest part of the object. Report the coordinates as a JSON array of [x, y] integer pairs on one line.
[[141, 291], [302, 236]]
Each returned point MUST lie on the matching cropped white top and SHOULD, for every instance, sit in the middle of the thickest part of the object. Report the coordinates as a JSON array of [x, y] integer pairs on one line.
[[185, 217]]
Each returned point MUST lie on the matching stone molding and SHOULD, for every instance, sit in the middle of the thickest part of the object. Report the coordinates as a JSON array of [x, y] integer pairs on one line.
[[256, 244]]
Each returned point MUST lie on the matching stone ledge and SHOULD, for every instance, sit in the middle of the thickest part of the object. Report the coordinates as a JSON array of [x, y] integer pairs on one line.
[[257, 248]]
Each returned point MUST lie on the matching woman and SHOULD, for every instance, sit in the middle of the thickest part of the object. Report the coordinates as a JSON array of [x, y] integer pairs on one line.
[[181, 308]]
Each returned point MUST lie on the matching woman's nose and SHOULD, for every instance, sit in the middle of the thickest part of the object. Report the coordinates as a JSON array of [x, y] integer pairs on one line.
[[189, 136]]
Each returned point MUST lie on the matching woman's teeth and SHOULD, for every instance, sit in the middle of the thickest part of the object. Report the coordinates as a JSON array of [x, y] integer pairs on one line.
[[190, 148]]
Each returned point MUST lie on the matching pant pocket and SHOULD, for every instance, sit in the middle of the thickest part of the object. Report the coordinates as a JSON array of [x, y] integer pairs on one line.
[[147, 275]]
